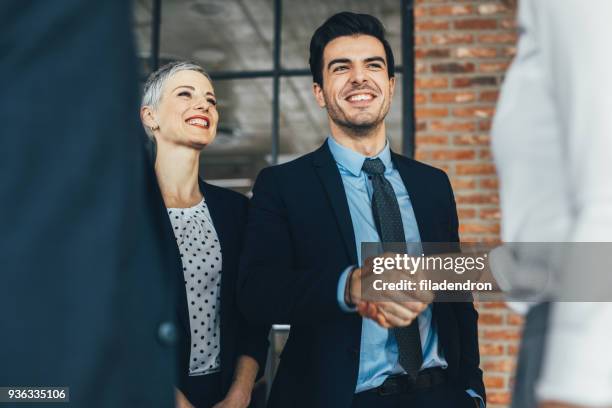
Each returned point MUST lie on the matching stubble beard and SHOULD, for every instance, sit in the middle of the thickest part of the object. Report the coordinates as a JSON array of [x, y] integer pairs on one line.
[[357, 130]]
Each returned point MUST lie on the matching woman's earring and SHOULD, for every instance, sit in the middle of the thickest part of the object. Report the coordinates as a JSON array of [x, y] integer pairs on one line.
[[154, 128]]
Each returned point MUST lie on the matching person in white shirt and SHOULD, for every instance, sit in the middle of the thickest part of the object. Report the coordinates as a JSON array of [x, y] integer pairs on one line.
[[552, 143]]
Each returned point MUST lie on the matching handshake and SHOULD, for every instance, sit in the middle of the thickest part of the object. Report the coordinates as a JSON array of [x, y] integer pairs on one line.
[[388, 308]]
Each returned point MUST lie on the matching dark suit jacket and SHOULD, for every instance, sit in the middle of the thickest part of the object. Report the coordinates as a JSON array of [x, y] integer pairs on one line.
[[299, 240], [228, 211], [87, 271]]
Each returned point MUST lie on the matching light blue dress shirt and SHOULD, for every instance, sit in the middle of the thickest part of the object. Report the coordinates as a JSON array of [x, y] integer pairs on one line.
[[378, 357]]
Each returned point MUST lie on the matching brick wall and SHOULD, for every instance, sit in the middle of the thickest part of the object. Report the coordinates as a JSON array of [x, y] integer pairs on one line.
[[462, 51]]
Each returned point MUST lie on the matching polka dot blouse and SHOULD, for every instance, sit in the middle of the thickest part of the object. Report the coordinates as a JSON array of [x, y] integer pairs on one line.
[[201, 258]]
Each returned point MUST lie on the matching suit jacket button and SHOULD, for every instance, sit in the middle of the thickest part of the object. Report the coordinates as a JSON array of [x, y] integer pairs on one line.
[[167, 334]]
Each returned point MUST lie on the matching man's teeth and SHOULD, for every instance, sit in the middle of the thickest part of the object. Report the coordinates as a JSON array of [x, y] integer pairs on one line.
[[198, 122], [360, 97]]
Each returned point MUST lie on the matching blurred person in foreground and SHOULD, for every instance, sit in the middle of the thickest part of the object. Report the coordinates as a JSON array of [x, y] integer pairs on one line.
[[552, 142], [220, 354], [87, 273]]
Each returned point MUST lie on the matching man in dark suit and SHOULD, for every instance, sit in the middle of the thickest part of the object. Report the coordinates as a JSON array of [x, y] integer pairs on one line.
[[88, 267], [306, 223]]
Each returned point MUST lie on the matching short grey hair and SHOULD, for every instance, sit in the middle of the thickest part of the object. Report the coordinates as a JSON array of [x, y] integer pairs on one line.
[[154, 86]]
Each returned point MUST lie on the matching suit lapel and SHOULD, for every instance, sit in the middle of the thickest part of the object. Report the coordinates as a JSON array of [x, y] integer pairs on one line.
[[221, 220], [328, 173], [417, 191]]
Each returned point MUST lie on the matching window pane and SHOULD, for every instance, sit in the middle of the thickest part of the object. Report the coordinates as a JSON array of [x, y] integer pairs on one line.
[[243, 142], [302, 17], [219, 34], [143, 19], [303, 125]]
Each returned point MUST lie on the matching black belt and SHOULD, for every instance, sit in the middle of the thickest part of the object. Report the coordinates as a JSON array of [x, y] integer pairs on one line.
[[404, 384]]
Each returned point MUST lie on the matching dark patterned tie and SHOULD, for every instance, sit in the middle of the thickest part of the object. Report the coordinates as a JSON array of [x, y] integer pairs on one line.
[[388, 221]]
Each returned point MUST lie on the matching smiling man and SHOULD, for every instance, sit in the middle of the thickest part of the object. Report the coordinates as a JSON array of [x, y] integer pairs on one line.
[[307, 221]]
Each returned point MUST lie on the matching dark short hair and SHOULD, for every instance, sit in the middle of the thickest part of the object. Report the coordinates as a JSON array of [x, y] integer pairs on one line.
[[346, 24]]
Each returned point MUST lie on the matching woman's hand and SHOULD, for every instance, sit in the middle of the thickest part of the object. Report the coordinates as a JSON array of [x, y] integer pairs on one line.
[[235, 398], [181, 400]]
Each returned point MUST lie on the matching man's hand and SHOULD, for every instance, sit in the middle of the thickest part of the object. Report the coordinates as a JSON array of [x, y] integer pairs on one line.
[[388, 309]]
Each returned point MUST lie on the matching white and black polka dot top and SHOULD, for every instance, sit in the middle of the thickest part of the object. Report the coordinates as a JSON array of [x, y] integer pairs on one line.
[[201, 258]]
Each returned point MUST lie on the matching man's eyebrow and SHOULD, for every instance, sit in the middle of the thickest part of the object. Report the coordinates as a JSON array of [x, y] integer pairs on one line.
[[347, 61], [377, 58], [338, 61]]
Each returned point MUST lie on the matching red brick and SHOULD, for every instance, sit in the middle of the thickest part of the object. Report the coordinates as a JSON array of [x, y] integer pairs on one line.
[[489, 96], [487, 67], [422, 113], [478, 52], [465, 213], [489, 183], [432, 53], [491, 349], [480, 168], [431, 25], [485, 155], [513, 349], [504, 334], [490, 214], [498, 398], [490, 319], [515, 319], [418, 11], [455, 10], [420, 40], [438, 126], [493, 305], [431, 140], [450, 97], [476, 24], [453, 68], [420, 98], [474, 112], [430, 83], [492, 8], [453, 155], [479, 229], [498, 38], [444, 39], [509, 23], [464, 82], [477, 198], [484, 125], [509, 52], [421, 126], [494, 382], [462, 183], [480, 140]]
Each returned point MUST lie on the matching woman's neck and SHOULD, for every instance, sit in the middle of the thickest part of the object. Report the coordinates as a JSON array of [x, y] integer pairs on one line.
[[177, 169]]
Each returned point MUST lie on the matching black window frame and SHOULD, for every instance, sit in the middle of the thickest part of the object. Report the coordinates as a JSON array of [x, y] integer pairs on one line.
[[406, 69]]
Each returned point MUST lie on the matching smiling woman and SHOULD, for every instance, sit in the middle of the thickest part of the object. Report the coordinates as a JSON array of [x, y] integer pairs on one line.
[[179, 112]]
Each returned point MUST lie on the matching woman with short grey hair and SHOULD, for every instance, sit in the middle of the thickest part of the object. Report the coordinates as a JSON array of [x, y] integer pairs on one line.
[[220, 355]]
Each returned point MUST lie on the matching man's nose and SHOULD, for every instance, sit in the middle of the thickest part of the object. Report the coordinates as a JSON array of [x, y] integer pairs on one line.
[[358, 75]]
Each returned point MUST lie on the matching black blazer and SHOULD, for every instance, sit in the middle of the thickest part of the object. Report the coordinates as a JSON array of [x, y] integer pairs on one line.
[[228, 211], [88, 275], [299, 239]]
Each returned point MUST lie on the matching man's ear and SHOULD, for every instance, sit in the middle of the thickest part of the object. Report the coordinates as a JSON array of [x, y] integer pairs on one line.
[[146, 115], [391, 87], [317, 90]]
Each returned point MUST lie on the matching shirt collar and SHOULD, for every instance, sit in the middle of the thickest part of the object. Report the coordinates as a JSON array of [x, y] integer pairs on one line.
[[353, 161]]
